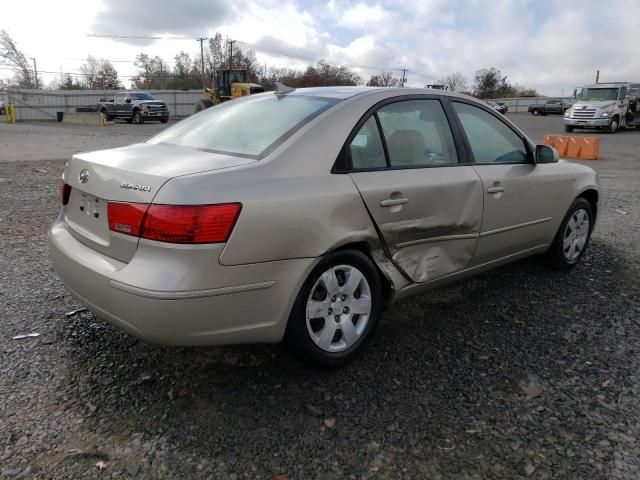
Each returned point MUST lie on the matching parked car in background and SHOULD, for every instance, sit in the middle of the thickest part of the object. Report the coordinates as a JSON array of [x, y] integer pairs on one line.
[[498, 106], [2, 107], [301, 215], [553, 105], [136, 107]]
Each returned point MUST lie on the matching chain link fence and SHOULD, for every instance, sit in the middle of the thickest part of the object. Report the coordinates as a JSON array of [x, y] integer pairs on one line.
[[38, 105]]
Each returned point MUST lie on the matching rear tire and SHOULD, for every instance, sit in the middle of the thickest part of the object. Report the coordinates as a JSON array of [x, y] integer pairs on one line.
[[336, 311], [573, 236], [568, 128]]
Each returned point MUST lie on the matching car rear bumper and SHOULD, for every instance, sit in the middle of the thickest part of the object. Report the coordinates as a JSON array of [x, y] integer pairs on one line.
[[180, 296], [587, 122]]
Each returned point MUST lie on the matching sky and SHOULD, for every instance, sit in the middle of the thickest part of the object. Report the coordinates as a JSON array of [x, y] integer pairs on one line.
[[549, 45]]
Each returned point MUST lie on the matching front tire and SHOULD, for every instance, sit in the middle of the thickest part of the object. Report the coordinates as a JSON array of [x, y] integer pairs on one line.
[[614, 124], [568, 128], [573, 236], [203, 104], [164, 119], [336, 311], [535, 112], [137, 118]]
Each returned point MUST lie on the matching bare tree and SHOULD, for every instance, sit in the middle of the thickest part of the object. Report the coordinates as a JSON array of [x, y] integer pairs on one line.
[[99, 74], [454, 82], [384, 79], [10, 55]]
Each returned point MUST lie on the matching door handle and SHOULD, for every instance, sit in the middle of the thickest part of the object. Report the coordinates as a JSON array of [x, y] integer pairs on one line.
[[495, 189], [392, 202]]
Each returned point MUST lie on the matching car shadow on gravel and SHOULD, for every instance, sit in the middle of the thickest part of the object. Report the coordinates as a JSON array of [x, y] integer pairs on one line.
[[470, 377]]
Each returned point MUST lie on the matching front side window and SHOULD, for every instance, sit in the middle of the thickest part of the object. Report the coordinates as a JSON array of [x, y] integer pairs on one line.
[[366, 147], [491, 141], [417, 134], [250, 127]]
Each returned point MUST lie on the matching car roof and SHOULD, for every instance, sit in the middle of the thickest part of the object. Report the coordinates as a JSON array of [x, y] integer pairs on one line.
[[330, 92], [343, 93]]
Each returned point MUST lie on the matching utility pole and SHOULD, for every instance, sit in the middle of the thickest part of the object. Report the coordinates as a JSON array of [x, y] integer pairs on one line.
[[35, 69], [403, 76], [597, 75], [201, 40]]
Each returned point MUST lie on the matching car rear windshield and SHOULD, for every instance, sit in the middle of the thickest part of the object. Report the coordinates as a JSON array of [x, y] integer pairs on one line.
[[250, 127]]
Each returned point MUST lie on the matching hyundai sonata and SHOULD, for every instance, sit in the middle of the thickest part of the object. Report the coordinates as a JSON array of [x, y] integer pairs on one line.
[[299, 215]]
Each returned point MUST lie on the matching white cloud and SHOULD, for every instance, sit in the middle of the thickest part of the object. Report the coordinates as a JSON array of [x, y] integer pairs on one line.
[[363, 16], [550, 45]]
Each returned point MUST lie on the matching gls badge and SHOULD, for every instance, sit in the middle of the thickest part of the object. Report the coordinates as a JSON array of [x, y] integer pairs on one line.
[[131, 186]]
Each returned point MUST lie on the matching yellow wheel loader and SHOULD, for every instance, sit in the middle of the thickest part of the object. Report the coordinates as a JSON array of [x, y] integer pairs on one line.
[[230, 84]]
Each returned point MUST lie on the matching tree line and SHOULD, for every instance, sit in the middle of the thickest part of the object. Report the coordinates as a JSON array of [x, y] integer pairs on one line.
[[154, 73]]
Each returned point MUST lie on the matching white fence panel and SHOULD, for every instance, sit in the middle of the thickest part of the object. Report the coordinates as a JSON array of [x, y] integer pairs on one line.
[[36, 105]]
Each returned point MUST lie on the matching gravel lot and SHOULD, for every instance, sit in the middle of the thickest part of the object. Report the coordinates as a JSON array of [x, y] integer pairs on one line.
[[522, 372]]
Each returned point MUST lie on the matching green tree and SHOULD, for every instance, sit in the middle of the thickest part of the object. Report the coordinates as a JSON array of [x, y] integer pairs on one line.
[[490, 83]]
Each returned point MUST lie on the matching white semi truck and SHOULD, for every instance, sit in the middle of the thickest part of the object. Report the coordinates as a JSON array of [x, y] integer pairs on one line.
[[609, 106]]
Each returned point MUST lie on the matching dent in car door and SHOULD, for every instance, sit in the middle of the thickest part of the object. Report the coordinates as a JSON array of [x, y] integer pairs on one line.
[[520, 197], [429, 218], [427, 208]]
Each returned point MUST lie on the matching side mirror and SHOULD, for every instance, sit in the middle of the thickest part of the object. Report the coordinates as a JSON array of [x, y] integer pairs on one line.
[[546, 154], [127, 100]]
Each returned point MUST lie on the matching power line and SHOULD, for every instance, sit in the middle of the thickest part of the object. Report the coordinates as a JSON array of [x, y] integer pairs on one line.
[[272, 51], [139, 37], [282, 53]]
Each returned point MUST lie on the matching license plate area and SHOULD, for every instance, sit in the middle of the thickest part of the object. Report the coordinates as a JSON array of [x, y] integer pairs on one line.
[[92, 206], [582, 123], [87, 215]]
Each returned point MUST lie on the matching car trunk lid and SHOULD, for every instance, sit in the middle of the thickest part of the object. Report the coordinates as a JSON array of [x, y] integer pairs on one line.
[[131, 174]]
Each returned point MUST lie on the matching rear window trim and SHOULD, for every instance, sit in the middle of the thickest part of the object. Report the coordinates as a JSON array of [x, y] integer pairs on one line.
[[331, 102]]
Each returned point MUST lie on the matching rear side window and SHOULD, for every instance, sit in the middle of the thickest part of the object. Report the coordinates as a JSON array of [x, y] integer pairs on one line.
[[251, 127], [417, 134], [366, 147], [491, 141]]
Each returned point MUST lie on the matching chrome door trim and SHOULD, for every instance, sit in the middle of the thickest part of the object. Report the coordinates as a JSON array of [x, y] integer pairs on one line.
[[514, 227]]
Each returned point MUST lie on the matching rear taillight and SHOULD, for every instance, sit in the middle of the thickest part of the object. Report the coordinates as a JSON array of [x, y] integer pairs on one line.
[[190, 224], [65, 192], [126, 217], [174, 223]]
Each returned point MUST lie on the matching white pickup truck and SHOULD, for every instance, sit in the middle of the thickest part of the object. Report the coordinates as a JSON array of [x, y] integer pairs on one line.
[[609, 106]]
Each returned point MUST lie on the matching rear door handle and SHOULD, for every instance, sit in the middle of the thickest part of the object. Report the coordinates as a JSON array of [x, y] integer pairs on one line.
[[392, 202], [495, 189]]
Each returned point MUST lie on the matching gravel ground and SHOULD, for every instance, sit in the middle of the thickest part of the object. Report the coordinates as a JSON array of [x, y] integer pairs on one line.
[[522, 372], [58, 141]]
